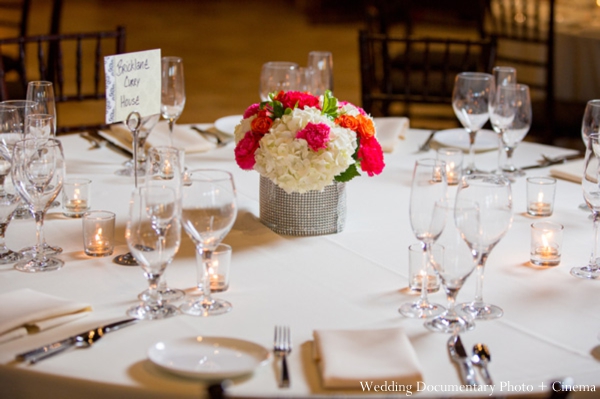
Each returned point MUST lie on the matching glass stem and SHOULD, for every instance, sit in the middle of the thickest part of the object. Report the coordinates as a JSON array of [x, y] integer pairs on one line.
[[424, 277], [39, 235], [509, 153], [594, 256], [135, 157], [171, 126], [154, 299], [480, 267], [3, 248], [141, 153], [471, 164], [451, 295], [2, 192], [204, 260]]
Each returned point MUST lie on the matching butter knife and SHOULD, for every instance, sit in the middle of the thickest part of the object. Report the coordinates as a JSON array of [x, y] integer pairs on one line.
[[82, 340], [458, 354]]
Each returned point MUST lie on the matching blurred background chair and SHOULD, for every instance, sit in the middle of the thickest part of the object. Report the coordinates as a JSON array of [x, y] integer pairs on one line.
[[414, 77], [74, 62]]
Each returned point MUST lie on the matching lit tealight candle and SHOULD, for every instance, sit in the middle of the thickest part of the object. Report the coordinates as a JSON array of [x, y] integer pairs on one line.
[[76, 194], [540, 195], [546, 238], [98, 233]]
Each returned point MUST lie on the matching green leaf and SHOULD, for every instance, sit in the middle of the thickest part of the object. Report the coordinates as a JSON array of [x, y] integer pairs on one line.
[[330, 105], [348, 174]]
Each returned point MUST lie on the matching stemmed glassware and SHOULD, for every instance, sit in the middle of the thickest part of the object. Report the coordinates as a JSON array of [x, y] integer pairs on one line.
[[429, 186], [153, 236], [453, 263], [322, 64], [470, 100], [208, 212], [482, 230], [590, 123], [42, 93], [591, 194], [503, 75], [514, 109], [172, 92], [276, 76], [38, 173]]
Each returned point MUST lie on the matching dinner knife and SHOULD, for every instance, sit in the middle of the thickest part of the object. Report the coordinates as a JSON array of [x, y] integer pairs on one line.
[[550, 162], [82, 340], [459, 356]]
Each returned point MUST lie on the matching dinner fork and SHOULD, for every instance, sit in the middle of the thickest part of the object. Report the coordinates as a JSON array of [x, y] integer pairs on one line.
[[426, 145], [282, 345]]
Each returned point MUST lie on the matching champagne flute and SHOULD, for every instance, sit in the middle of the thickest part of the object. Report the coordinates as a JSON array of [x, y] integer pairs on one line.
[[503, 75], [38, 173], [172, 92], [471, 96], [453, 263], [517, 113], [484, 229], [427, 221], [322, 63], [208, 212], [153, 236], [276, 76], [591, 194], [42, 93]]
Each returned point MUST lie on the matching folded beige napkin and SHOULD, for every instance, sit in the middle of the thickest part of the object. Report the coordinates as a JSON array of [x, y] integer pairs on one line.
[[390, 131], [24, 311], [349, 357], [183, 137], [572, 171]]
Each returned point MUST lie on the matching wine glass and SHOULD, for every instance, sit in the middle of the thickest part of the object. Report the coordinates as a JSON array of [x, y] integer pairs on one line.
[[147, 123], [24, 108], [208, 212], [483, 230], [503, 75], [516, 112], [38, 173], [591, 194], [164, 169], [9, 135], [470, 100], [42, 93], [427, 221], [153, 235], [591, 120], [453, 263], [276, 76], [322, 63], [172, 92]]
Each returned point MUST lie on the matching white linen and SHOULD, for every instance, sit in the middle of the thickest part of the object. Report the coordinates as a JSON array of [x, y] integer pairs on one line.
[[391, 131], [33, 311], [571, 171], [349, 357]]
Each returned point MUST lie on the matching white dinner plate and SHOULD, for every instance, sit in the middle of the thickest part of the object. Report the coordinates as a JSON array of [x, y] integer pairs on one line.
[[212, 358], [459, 138], [227, 124]]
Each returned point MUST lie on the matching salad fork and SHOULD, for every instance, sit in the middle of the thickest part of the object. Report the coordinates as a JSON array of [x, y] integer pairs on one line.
[[282, 346]]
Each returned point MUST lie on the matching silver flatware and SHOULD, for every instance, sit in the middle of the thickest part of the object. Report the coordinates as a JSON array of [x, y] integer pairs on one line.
[[459, 356], [426, 145], [282, 346], [549, 161], [220, 141], [98, 141], [82, 340], [481, 357]]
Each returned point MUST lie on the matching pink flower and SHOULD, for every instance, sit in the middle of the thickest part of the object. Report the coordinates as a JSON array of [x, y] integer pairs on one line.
[[315, 134], [360, 110], [370, 156], [289, 99], [251, 110], [245, 149]]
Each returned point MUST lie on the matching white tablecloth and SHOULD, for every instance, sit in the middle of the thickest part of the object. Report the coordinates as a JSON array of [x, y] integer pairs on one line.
[[352, 280]]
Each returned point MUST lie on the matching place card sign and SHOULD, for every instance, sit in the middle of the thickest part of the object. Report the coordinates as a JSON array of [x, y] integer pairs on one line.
[[133, 83]]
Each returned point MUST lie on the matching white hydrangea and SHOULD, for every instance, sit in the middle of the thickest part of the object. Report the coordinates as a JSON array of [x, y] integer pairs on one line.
[[290, 163]]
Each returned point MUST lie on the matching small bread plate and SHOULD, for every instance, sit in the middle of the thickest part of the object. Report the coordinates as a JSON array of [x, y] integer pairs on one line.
[[227, 124], [210, 358], [484, 141]]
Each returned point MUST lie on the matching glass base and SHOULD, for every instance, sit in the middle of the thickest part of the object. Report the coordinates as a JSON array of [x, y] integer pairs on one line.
[[421, 310], [481, 311], [146, 312], [33, 266], [166, 294], [586, 272], [450, 324], [48, 250], [128, 169], [210, 307], [126, 260], [9, 256]]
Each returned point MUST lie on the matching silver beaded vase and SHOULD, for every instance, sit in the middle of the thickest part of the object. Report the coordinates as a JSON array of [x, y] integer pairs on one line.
[[309, 214]]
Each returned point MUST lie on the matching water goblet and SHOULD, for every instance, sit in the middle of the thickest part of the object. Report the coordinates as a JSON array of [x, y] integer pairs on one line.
[[172, 92], [427, 221], [42, 93], [322, 63], [276, 76], [483, 230], [208, 212], [38, 173], [471, 96], [153, 235], [516, 113], [453, 264]]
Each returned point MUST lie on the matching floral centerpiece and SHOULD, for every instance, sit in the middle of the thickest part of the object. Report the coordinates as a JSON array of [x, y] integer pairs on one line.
[[304, 143]]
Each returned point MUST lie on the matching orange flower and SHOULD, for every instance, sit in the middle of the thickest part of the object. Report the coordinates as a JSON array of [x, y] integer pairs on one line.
[[261, 124], [366, 129], [347, 121]]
